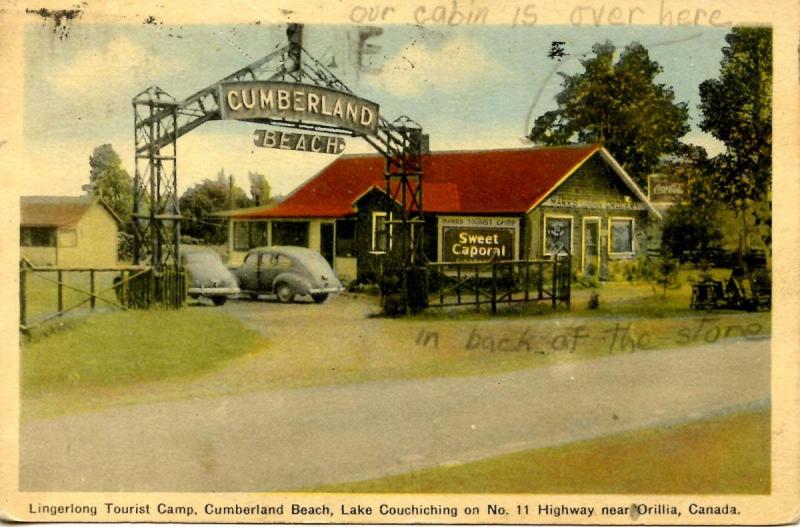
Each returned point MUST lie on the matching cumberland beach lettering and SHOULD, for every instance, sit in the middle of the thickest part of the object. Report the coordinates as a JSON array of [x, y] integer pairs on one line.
[[297, 103]]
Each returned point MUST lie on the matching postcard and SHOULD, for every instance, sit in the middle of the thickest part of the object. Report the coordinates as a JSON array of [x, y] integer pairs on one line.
[[438, 262]]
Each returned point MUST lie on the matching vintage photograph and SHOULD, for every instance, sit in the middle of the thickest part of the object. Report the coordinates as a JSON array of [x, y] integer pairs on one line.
[[431, 256]]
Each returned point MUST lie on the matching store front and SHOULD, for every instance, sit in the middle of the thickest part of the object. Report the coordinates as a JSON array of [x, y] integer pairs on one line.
[[496, 204]]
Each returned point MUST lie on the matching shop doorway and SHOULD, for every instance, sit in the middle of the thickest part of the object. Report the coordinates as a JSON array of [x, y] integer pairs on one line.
[[590, 258], [326, 242]]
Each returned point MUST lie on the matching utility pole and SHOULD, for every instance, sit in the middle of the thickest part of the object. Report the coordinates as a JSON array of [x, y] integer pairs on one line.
[[230, 200]]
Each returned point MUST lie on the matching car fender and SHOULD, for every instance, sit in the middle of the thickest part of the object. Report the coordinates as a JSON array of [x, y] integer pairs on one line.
[[299, 285]]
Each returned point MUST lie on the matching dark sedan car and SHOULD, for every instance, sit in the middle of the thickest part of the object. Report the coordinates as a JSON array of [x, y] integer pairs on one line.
[[287, 272]]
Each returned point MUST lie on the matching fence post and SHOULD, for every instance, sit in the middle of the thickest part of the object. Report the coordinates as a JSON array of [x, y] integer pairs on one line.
[[153, 289], [477, 289], [123, 287], [59, 279], [494, 287], [167, 289], [23, 307], [458, 283], [540, 281], [569, 282], [527, 280], [91, 288]]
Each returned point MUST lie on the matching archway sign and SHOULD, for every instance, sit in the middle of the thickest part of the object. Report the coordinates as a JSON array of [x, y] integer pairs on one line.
[[287, 88]]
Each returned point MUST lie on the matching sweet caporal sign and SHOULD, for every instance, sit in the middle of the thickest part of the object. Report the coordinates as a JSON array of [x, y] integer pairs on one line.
[[292, 103], [475, 238]]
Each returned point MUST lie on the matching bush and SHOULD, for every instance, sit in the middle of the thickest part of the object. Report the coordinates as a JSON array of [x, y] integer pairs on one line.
[[691, 233], [124, 246], [594, 300], [638, 270], [585, 280], [665, 274]]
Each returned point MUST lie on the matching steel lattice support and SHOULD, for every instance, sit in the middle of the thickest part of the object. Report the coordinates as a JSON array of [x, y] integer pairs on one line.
[[405, 219], [404, 187], [156, 213]]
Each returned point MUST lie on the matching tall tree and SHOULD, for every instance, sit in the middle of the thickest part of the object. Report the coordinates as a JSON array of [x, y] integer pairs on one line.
[[691, 229], [260, 189], [737, 110], [109, 181], [619, 104]]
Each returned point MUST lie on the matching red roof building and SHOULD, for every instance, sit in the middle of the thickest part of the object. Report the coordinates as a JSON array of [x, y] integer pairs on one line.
[[534, 193]]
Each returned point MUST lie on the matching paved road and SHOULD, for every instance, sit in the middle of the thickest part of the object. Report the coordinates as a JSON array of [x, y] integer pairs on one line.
[[290, 439]]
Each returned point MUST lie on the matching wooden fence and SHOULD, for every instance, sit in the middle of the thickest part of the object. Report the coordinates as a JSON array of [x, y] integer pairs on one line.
[[501, 282], [47, 293]]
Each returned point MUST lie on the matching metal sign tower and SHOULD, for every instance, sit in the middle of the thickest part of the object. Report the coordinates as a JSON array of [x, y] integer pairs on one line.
[[159, 120]]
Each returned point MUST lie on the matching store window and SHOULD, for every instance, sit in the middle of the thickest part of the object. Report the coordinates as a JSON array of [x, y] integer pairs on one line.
[[346, 238], [381, 233], [620, 236], [557, 234], [290, 233], [249, 234], [37, 236], [241, 240]]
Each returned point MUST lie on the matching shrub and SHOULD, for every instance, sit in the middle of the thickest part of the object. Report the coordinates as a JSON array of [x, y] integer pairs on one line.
[[640, 269], [594, 300], [690, 233], [124, 246], [665, 274]]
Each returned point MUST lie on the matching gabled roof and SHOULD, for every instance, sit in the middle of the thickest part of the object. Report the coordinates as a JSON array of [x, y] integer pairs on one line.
[[56, 211], [458, 182]]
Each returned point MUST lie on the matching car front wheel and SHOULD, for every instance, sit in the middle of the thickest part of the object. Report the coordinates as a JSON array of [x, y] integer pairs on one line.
[[284, 293], [319, 297]]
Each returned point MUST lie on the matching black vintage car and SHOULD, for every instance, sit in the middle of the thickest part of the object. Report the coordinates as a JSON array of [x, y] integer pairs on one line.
[[287, 271]]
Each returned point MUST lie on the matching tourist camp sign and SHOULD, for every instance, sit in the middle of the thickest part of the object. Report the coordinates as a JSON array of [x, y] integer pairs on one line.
[[321, 144], [292, 103], [477, 238]]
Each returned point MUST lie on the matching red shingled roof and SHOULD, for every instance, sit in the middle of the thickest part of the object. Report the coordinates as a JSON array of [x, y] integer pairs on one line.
[[474, 182]]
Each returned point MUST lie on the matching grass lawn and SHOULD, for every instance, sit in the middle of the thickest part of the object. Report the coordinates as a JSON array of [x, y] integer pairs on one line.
[[722, 455], [123, 348]]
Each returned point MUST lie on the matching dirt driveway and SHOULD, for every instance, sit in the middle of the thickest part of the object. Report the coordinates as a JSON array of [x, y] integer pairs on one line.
[[293, 438]]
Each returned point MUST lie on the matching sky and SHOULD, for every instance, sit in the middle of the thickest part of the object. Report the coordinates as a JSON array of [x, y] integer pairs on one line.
[[469, 87]]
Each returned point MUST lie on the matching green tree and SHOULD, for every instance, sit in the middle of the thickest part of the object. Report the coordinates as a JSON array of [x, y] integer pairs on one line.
[[260, 189], [691, 233], [619, 104], [109, 182], [691, 229], [737, 110], [200, 201]]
